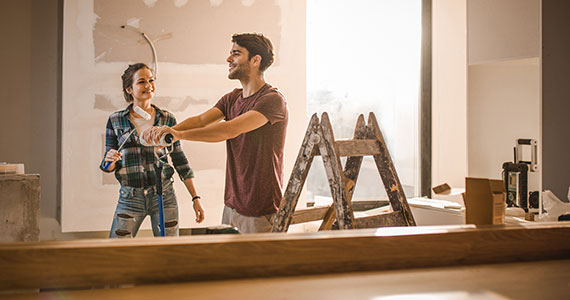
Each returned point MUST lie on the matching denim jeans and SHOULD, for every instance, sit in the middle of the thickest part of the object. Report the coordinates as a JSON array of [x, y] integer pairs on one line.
[[136, 203]]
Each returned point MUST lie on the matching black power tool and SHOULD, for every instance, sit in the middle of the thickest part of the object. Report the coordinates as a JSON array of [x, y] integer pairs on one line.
[[515, 177]]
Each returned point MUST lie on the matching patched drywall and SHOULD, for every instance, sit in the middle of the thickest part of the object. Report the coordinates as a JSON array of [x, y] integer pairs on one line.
[[189, 32], [110, 103], [192, 40]]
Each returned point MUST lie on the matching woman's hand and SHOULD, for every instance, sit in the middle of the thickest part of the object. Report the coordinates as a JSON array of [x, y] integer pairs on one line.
[[199, 210], [113, 156]]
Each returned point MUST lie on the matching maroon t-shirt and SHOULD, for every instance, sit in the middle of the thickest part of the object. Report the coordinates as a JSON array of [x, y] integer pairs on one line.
[[254, 169]]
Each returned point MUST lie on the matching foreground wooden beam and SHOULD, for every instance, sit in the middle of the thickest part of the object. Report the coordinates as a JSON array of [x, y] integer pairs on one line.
[[88, 263]]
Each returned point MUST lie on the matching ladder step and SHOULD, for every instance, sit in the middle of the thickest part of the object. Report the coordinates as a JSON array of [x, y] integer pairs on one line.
[[317, 213], [309, 214], [381, 220], [356, 147]]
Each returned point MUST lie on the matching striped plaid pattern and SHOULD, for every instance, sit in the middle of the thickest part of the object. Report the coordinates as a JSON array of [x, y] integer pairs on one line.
[[136, 167]]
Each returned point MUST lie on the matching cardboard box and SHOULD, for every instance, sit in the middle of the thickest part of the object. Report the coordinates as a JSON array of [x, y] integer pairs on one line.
[[445, 192], [485, 201]]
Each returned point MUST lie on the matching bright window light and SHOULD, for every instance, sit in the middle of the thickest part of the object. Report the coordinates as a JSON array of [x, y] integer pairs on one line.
[[364, 56]]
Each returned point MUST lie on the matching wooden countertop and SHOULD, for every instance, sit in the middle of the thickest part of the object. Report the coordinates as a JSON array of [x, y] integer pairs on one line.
[[530, 280], [96, 263]]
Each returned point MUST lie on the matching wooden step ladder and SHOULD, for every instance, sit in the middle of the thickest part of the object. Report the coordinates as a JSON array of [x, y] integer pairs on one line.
[[319, 140]]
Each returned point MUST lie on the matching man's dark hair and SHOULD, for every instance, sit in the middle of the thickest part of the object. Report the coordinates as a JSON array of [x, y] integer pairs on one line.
[[127, 78], [256, 44]]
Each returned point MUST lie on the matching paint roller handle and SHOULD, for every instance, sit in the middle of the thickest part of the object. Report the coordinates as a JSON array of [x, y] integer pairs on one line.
[[109, 162]]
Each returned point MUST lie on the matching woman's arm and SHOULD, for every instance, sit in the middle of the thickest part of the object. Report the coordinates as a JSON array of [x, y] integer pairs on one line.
[[111, 145], [197, 205]]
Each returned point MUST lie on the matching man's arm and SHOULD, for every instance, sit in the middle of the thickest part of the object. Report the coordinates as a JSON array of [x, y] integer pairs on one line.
[[152, 135], [206, 118], [221, 131]]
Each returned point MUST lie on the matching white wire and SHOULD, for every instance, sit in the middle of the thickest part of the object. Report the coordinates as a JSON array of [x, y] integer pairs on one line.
[[154, 57]]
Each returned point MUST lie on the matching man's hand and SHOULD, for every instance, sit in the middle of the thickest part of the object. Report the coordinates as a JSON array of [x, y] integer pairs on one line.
[[199, 210], [152, 135]]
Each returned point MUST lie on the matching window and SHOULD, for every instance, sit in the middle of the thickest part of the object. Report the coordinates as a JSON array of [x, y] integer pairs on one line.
[[364, 56]]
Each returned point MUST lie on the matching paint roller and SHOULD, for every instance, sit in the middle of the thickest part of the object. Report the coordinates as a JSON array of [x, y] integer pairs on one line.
[[107, 164], [166, 138], [142, 113]]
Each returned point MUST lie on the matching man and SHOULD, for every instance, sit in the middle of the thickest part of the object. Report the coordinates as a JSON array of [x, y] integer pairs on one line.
[[256, 118]]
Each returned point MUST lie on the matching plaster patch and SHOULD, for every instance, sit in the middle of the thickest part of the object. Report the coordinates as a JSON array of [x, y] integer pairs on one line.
[[100, 56], [177, 104], [150, 3], [247, 2], [195, 34], [216, 3], [134, 22], [164, 36], [180, 3], [105, 103]]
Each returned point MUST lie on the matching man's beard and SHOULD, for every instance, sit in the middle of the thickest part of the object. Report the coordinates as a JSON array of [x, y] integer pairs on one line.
[[240, 72]]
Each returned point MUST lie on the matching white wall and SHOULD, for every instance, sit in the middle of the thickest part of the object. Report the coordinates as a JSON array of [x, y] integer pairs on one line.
[[503, 83], [502, 30], [503, 106], [473, 91], [449, 94]]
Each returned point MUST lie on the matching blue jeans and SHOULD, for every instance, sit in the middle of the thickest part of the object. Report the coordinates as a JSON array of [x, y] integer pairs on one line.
[[136, 203]]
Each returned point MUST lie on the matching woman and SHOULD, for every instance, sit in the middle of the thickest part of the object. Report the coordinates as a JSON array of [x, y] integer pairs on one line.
[[133, 163]]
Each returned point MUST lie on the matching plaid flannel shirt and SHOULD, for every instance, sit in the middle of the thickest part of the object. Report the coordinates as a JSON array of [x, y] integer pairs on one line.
[[136, 169]]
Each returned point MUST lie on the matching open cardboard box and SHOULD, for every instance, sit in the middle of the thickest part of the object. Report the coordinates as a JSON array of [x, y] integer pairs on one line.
[[485, 202]]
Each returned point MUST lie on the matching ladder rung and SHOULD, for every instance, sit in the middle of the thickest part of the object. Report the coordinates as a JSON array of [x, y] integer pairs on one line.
[[357, 147], [317, 213], [309, 214], [394, 218], [362, 205]]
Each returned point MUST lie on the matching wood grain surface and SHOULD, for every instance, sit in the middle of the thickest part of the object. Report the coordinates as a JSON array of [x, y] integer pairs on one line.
[[87, 263], [542, 280]]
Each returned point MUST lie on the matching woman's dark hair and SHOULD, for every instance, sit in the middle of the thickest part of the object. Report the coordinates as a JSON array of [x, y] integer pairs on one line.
[[127, 78], [256, 44]]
